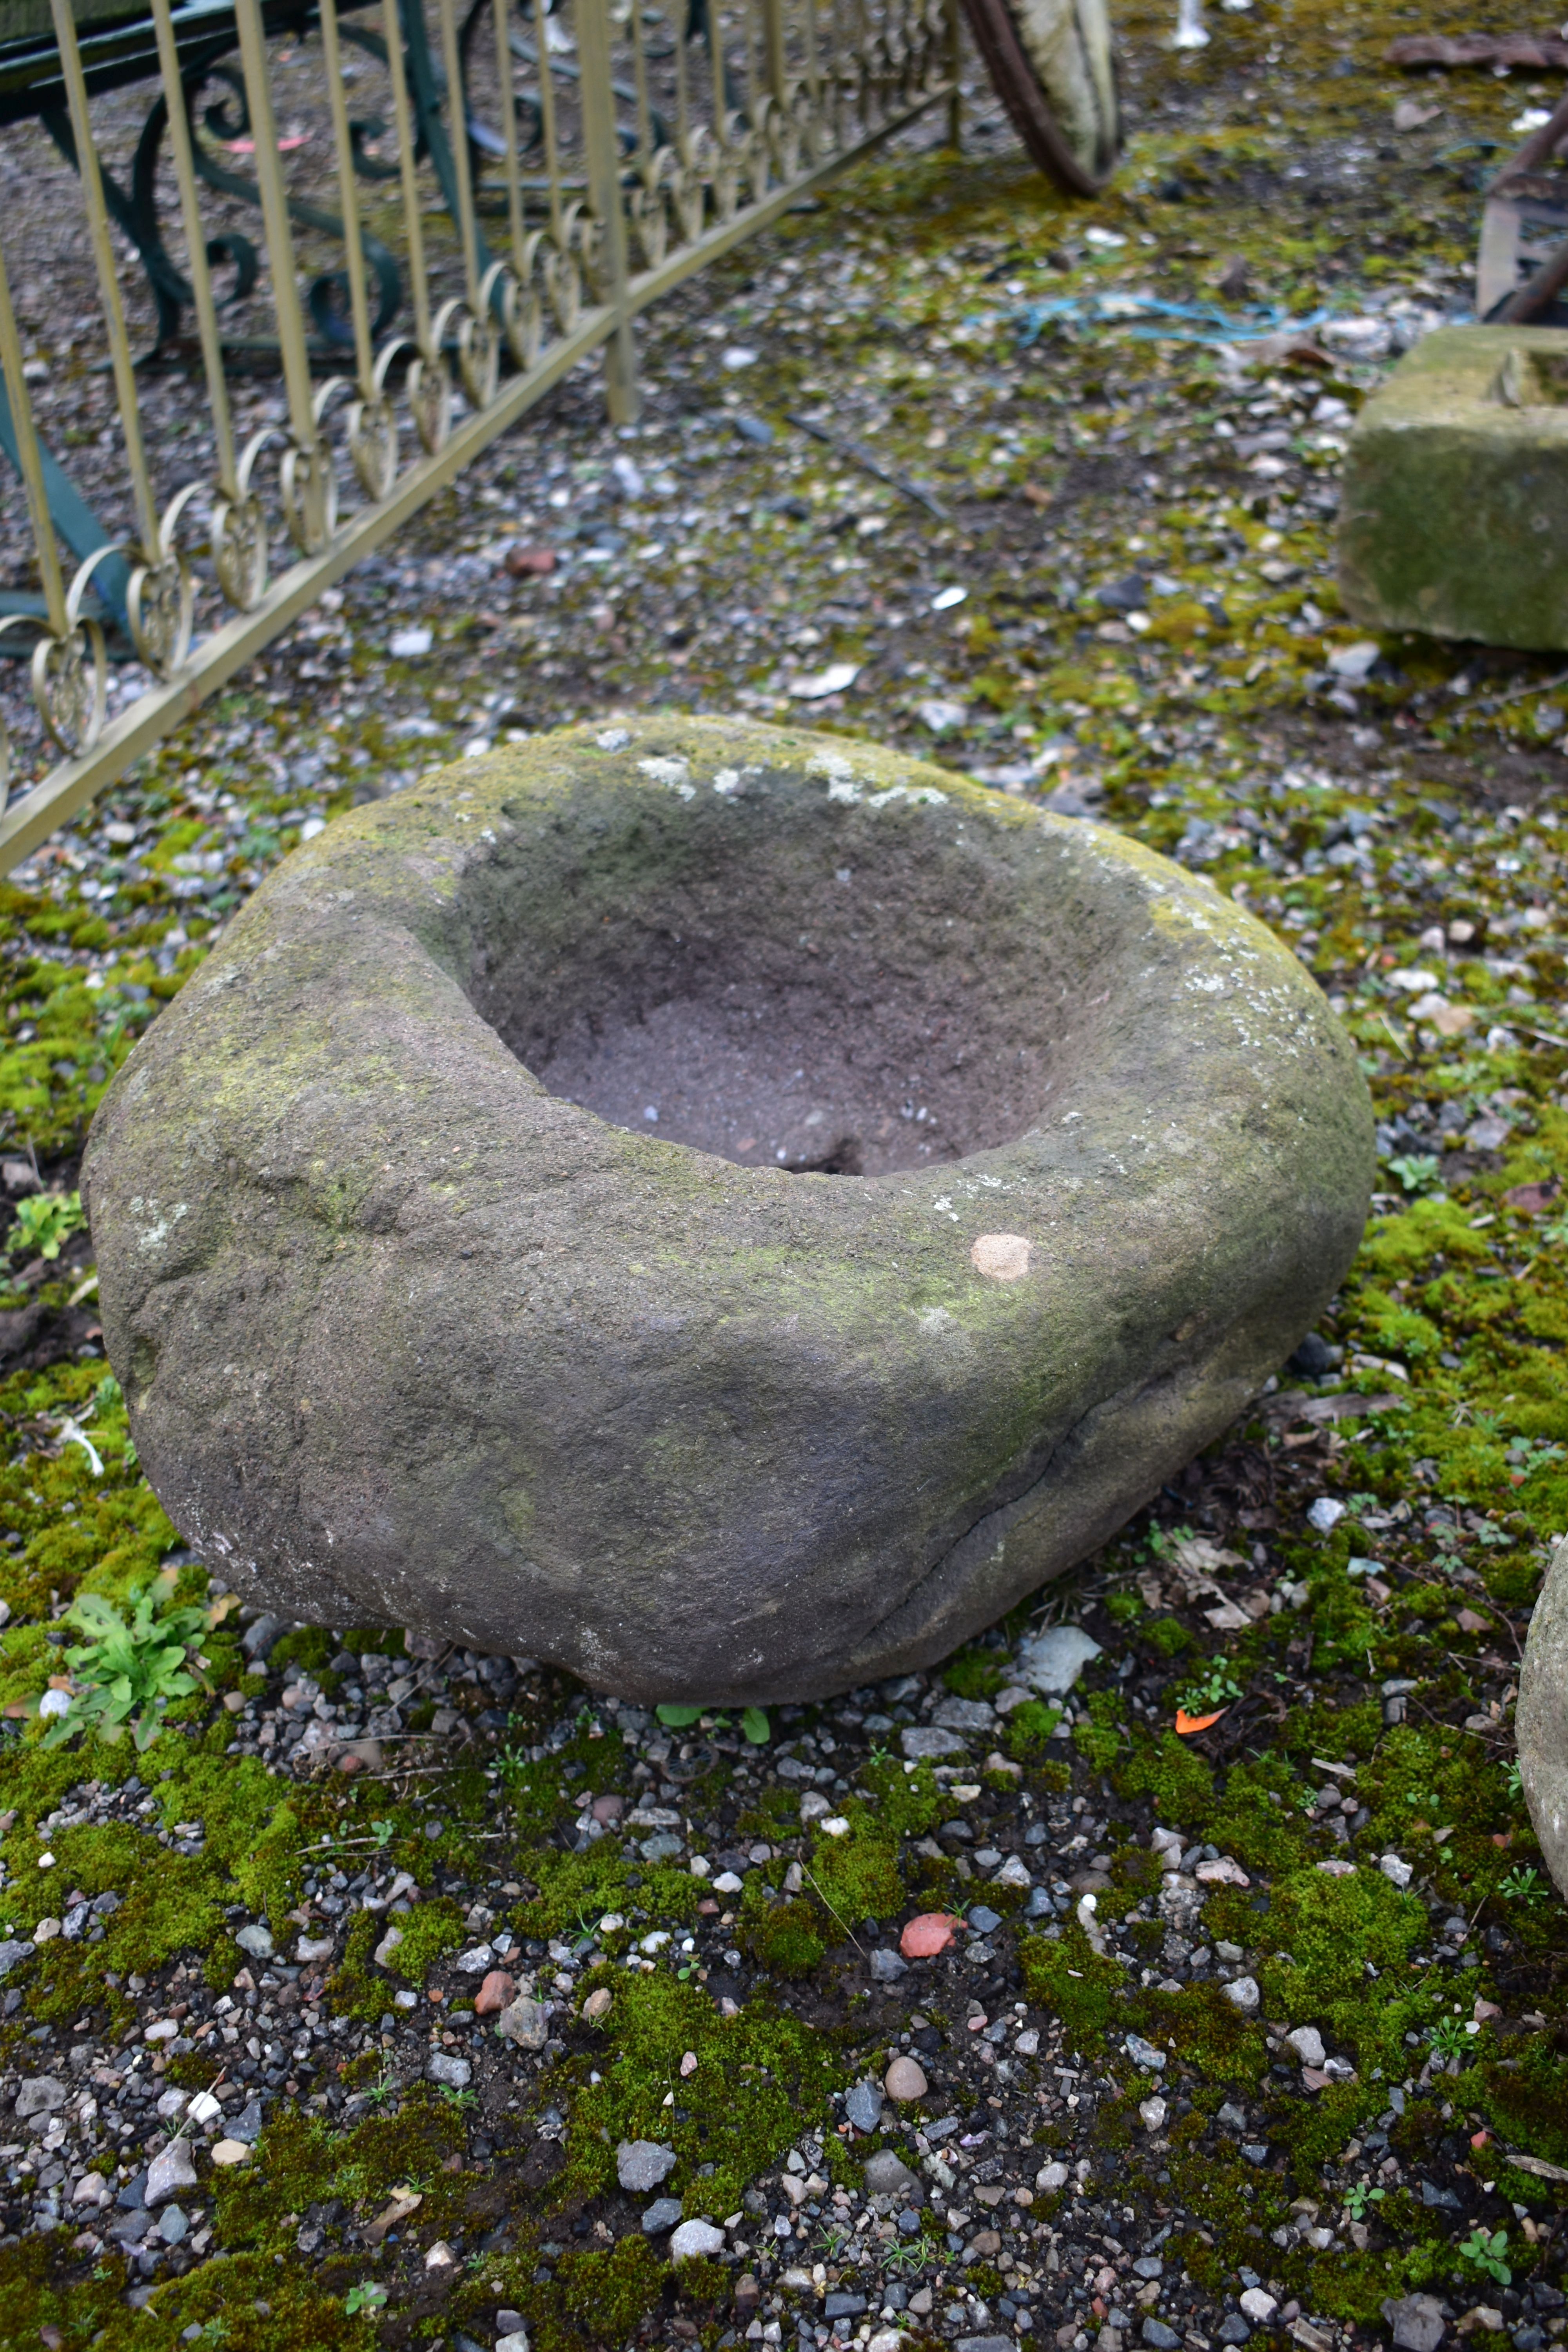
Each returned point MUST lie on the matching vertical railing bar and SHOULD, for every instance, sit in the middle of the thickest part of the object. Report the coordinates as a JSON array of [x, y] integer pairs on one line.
[[501, 14], [108, 278], [286, 304], [196, 248], [713, 66], [547, 111], [602, 154], [30, 460], [639, 69], [682, 109], [812, 68], [774, 39], [462, 149], [955, 75], [403, 119], [354, 251]]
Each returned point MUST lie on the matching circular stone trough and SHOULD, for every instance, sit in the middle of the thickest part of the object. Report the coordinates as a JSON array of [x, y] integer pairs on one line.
[[724, 1210], [1541, 1718]]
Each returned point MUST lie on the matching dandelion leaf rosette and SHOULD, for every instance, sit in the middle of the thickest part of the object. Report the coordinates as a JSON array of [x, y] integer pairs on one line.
[[725, 1210]]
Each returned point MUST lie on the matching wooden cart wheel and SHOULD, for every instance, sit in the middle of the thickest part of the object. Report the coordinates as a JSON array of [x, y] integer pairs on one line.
[[1053, 66]]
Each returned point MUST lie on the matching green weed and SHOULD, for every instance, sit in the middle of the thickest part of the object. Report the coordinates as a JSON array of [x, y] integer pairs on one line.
[[1417, 1171], [1488, 2255], [45, 1220], [677, 1716], [1215, 1689], [128, 1665]]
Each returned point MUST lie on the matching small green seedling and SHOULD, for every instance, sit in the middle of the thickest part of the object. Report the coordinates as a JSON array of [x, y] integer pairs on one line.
[[368, 2295], [45, 1220], [1488, 2255], [1359, 2196], [129, 1669], [1448, 2038], [1216, 1689], [1523, 1885], [1528, 1455], [911, 2254], [1417, 1171], [676, 1715]]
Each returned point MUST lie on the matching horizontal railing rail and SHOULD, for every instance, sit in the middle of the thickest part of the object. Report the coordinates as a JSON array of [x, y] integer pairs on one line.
[[371, 234]]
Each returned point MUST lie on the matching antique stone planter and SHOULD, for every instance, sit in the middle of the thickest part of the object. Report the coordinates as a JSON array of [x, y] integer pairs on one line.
[[1541, 1720], [723, 1208]]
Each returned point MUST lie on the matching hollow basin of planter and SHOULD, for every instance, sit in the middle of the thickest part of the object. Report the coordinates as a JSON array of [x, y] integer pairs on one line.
[[725, 1210]]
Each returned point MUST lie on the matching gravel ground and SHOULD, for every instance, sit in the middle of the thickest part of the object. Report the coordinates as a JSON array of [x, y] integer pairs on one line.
[[400, 1999]]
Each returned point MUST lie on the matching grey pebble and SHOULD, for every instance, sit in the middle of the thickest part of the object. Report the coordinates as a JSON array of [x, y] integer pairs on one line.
[[887, 2175], [174, 2169], [863, 2105], [925, 1740], [642, 2164]]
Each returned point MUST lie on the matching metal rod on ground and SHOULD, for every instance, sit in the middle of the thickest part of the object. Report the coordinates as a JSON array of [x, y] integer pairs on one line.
[[1538, 291], [872, 464]]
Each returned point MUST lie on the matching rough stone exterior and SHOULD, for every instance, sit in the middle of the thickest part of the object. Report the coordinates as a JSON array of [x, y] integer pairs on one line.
[[407, 1337], [1454, 515], [1541, 1721]]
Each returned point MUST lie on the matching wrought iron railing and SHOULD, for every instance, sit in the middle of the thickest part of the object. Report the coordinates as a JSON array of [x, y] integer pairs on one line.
[[348, 282]]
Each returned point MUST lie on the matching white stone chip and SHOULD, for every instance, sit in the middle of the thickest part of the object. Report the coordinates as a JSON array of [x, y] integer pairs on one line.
[[1052, 1661], [693, 2239]]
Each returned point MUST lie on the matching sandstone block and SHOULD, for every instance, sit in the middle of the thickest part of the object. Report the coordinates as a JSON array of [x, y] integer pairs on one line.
[[1454, 513]]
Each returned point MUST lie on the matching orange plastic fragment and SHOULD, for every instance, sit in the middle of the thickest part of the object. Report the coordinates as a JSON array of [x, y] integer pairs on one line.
[[926, 1936], [1186, 1722]]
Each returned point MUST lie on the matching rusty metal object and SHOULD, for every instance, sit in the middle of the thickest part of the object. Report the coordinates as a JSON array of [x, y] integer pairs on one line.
[[1053, 65], [1521, 266]]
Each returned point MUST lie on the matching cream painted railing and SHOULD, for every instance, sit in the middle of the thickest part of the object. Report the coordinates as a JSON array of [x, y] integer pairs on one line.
[[351, 283]]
